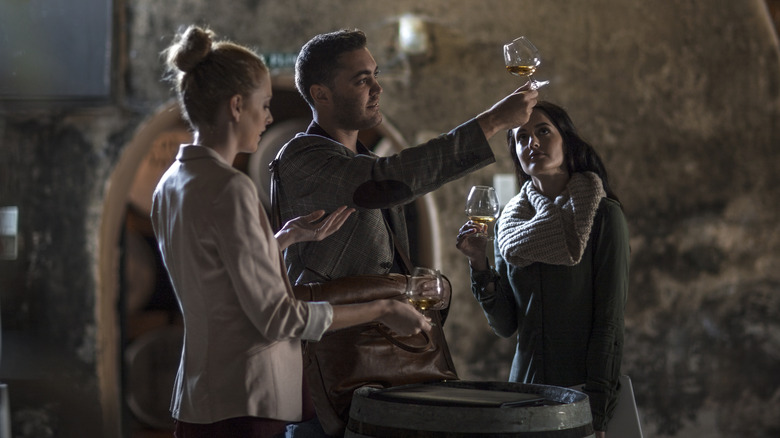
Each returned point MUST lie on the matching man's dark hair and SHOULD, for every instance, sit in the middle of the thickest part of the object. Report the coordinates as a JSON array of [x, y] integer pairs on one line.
[[319, 58]]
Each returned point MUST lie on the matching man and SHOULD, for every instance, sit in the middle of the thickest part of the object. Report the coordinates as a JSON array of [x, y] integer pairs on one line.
[[328, 167]]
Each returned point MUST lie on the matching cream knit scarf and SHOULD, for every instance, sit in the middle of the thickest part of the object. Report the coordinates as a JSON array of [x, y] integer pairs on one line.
[[534, 228]]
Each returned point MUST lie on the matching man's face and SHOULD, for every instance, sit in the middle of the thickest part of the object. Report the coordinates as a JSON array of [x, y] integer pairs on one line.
[[355, 91]]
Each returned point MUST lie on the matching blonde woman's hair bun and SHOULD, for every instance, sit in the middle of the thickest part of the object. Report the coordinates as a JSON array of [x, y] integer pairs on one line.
[[191, 47], [206, 73]]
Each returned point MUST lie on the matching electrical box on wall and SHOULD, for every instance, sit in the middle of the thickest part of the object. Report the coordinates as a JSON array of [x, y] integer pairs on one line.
[[9, 231]]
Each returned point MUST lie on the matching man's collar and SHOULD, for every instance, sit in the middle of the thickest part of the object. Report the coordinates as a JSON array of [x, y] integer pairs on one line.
[[315, 129]]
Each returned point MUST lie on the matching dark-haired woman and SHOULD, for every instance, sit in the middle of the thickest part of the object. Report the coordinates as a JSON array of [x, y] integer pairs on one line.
[[240, 372], [561, 264]]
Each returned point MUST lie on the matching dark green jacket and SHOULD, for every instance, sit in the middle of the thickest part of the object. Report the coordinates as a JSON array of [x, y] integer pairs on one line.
[[568, 319]]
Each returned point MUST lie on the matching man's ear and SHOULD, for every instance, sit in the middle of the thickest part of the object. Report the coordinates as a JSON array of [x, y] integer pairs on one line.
[[320, 93], [235, 103]]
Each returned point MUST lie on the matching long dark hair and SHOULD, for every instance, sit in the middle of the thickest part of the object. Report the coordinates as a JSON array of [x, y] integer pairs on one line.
[[579, 156]]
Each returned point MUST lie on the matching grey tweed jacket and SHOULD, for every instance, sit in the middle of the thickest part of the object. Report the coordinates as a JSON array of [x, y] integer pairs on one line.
[[316, 172]]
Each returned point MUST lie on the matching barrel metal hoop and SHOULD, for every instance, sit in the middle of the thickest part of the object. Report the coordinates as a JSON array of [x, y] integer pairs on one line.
[[366, 429]]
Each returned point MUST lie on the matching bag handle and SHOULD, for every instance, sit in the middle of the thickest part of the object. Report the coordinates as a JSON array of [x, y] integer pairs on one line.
[[410, 348], [354, 289], [400, 251], [276, 214]]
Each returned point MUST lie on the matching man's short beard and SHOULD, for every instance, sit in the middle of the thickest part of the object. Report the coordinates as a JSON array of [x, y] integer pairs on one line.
[[350, 122]]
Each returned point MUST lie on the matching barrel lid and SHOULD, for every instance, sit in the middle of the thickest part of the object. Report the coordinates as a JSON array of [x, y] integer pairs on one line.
[[469, 409], [458, 396]]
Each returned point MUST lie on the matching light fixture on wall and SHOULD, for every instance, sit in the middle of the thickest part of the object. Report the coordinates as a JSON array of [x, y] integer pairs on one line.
[[9, 230], [413, 37], [410, 45]]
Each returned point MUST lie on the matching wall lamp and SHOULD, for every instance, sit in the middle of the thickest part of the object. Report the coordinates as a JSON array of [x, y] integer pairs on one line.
[[413, 36]]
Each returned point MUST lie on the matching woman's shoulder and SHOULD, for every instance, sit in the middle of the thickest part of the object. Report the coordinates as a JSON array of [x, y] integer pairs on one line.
[[610, 204], [610, 212], [222, 180]]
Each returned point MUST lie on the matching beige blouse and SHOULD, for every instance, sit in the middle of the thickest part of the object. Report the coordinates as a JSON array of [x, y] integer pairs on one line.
[[241, 354]]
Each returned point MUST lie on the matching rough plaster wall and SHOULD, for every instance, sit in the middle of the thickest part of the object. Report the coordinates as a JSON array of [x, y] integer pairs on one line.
[[54, 169], [680, 98]]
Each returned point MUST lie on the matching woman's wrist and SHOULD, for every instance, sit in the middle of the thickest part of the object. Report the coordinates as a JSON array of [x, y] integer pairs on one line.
[[479, 264], [384, 309], [482, 279], [284, 238]]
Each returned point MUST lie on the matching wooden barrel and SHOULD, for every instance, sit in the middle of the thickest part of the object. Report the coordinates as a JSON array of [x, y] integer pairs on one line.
[[152, 364], [470, 409]]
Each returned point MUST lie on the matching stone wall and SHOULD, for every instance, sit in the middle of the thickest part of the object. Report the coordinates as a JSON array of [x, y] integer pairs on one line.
[[682, 100]]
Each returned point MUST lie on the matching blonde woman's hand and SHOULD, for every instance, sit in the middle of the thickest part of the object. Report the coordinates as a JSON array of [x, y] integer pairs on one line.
[[403, 319], [312, 227]]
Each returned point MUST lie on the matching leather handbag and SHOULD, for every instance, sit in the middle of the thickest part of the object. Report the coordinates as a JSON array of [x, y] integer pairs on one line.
[[367, 355]]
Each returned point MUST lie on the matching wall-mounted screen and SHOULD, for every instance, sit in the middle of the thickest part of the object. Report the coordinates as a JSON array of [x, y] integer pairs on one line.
[[55, 49]]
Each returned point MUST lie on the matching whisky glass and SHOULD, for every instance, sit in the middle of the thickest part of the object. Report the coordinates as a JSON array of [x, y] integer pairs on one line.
[[522, 58], [482, 208]]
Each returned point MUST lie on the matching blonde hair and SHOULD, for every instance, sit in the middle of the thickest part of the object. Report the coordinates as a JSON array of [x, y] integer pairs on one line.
[[206, 73]]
